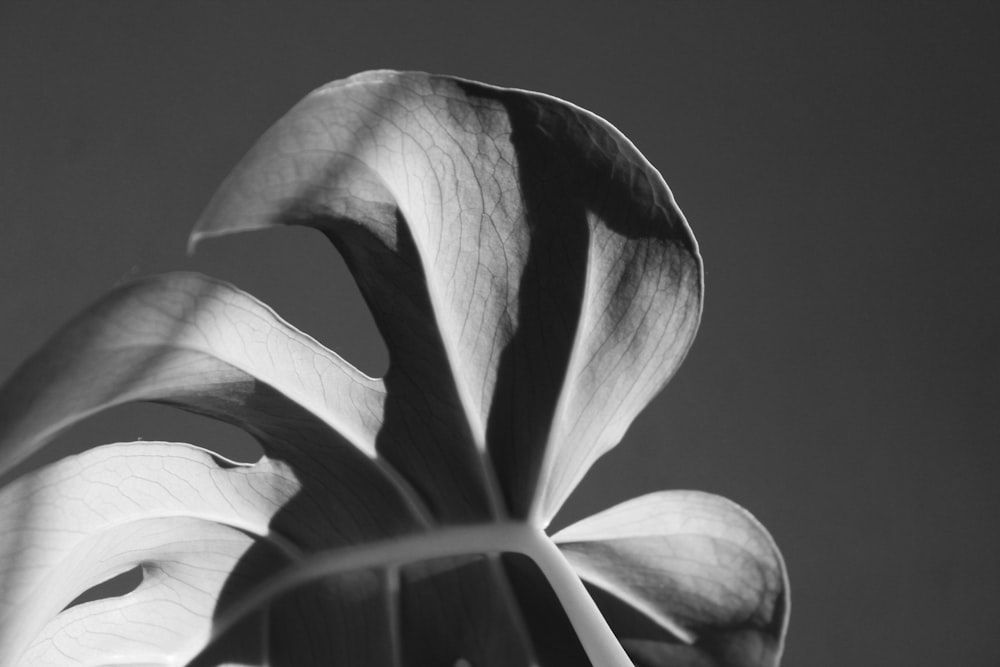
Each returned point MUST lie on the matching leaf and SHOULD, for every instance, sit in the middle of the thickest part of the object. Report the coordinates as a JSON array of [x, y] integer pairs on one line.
[[685, 578], [536, 285], [532, 276]]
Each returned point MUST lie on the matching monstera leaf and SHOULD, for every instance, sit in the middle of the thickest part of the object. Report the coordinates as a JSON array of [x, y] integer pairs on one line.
[[535, 284]]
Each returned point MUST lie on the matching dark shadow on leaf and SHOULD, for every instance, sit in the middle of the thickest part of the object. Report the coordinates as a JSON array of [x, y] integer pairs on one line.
[[344, 500], [423, 412], [573, 174], [532, 367]]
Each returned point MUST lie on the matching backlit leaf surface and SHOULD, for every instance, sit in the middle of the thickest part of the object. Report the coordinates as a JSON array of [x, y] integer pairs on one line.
[[684, 576], [536, 285], [533, 278]]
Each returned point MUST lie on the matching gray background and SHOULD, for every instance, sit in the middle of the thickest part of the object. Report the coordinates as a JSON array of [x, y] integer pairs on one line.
[[838, 166]]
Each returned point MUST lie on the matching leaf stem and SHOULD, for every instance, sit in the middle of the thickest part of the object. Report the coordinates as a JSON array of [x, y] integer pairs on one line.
[[599, 642]]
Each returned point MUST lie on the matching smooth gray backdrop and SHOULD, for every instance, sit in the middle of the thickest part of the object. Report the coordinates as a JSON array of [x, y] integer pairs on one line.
[[838, 166]]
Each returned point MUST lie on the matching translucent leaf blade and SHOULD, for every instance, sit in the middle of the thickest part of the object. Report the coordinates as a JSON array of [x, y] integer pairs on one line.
[[180, 338], [206, 534], [534, 280], [684, 578], [168, 618], [168, 507]]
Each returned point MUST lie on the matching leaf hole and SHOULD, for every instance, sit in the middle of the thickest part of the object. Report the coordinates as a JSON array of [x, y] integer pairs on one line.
[[226, 463], [117, 586]]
